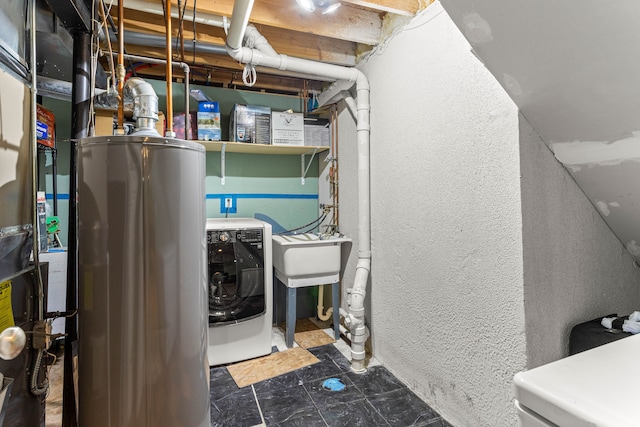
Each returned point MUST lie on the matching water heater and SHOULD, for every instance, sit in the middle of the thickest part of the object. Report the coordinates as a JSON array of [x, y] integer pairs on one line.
[[142, 297]]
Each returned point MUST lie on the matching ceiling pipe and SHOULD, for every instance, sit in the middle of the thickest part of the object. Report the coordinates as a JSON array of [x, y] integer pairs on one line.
[[156, 9], [152, 40], [169, 73], [120, 71], [354, 319], [239, 21]]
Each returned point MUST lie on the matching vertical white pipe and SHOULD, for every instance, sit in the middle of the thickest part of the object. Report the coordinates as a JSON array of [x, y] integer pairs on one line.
[[239, 21], [355, 319]]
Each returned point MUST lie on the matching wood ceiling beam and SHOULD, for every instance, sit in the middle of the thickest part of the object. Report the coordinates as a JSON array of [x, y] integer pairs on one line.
[[398, 7], [234, 80], [290, 43], [215, 64], [347, 23]]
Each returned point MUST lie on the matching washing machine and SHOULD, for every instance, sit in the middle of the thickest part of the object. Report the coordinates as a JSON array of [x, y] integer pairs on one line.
[[240, 289], [594, 388]]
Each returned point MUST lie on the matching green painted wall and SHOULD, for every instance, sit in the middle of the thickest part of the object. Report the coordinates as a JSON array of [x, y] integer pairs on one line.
[[267, 184], [226, 99]]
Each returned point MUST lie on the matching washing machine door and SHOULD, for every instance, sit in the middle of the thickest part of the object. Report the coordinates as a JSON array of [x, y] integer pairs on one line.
[[236, 276], [597, 387]]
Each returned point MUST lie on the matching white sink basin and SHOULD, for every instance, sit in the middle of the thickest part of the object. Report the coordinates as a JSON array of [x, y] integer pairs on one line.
[[306, 260]]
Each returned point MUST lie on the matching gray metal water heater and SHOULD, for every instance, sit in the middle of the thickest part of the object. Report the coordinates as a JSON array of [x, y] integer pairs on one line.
[[142, 297]]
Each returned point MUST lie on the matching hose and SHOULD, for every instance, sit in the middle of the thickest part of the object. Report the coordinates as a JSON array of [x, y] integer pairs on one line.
[[33, 385], [313, 224]]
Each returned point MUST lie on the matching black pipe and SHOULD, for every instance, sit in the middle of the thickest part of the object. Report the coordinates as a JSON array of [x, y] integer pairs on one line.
[[80, 108]]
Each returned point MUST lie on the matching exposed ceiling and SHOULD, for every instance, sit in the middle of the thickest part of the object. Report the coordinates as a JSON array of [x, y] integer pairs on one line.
[[337, 38], [573, 69]]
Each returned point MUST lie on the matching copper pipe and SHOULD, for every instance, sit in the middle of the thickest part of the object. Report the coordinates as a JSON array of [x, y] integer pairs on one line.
[[334, 161], [121, 72], [169, 123]]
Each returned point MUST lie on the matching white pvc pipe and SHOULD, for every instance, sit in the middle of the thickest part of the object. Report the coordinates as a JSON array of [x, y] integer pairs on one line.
[[321, 314], [253, 38], [239, 21], [265, 56]]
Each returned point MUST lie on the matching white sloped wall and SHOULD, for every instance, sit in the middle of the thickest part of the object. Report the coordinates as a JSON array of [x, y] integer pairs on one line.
[[447, 310], [575, 268], [448, 305]]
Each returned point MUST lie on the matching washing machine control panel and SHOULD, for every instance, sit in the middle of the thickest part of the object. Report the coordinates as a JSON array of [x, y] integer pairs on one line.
[[232, 236]]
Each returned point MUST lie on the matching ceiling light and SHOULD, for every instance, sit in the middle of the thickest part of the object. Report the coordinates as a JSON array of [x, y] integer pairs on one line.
[[331, 8], [307, 5]]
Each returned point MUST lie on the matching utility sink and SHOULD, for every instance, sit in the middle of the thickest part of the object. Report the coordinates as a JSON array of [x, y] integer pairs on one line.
[[307, 259]]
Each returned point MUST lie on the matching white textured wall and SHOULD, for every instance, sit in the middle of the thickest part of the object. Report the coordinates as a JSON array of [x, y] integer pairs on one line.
[[575, 269], [447, 311]]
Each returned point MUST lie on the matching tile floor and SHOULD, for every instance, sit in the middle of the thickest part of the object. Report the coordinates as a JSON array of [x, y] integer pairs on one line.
[[298, 398]]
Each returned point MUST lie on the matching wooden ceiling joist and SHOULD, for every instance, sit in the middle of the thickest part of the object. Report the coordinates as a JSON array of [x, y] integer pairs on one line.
[[356, 25], [340, 52]]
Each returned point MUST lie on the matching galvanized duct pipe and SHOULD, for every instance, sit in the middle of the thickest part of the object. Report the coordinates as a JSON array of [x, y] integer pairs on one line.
[[156, 9], [153, 40], [187, 73], [145, 105], [354, 319]]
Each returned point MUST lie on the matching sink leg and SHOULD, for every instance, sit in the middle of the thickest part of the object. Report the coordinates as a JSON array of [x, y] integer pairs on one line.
[[291, 315], [335, 299]]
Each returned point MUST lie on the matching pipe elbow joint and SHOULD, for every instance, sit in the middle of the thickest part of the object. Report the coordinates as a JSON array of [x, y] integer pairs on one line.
[[235, 53], [145, 100]]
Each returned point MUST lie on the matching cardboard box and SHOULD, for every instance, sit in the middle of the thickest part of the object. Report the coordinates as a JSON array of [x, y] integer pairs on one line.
[[45, 127], [209, 121], [179, 126], [287, 128], [250, 123], [161, 123], [106, 123], [317, 136]]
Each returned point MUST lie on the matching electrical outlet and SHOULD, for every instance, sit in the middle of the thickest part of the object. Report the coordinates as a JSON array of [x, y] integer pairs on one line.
[[228, 205]]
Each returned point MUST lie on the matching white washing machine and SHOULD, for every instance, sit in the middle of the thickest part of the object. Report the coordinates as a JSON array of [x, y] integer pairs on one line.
[[594, 388], [240, 289]]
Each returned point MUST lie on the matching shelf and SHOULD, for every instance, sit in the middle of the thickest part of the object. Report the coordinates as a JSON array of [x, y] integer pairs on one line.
[[246, 148]]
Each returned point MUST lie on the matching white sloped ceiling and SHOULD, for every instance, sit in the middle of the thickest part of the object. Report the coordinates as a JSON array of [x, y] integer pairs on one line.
[[573, 69]]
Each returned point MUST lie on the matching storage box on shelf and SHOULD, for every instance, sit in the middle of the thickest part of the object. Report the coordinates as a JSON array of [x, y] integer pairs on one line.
[[287, 128], [250, 124]]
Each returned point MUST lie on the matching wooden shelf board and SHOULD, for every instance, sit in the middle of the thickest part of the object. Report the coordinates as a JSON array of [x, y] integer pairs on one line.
[[245, 148]]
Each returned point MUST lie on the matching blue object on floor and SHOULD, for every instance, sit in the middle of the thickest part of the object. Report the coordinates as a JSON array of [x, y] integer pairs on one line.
[[333, 384]]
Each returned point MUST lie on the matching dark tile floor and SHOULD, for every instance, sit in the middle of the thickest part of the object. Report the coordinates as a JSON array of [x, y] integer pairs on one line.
[[375, 398]]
